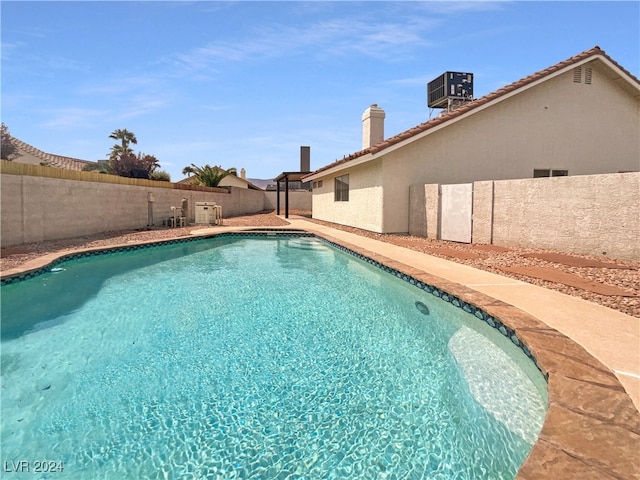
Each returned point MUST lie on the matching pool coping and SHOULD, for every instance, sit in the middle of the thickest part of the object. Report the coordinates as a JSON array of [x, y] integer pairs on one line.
[[592, 427]]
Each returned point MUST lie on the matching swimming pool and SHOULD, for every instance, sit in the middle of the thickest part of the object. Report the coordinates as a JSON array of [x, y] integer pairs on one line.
[[246, 356]]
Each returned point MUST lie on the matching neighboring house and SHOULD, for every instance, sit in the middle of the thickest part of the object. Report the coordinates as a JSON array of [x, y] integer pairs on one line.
[[578, 117], [233, 181], [31, 155], [228, 181]]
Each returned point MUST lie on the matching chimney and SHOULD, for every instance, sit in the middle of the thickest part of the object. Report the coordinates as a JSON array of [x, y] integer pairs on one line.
[[243, 174], [305, 159], [372, 126]]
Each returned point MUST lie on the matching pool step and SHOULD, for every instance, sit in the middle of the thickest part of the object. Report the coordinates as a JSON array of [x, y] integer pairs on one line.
[[305, 244]]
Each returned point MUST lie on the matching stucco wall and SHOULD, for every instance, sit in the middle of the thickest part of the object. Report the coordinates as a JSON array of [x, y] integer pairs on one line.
[[41, 208], [590, 214], [364, 208], [298, 200], [557, 124]]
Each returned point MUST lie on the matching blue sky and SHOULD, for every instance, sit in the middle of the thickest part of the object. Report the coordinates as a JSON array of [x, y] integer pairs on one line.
[[245, 84]]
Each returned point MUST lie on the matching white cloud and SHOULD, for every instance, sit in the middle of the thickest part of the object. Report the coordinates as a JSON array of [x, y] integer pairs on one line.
[[373, 37], [71, 117], [144, 104]]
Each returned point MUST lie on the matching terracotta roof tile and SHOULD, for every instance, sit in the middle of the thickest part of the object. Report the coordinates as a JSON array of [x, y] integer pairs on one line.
[[473, 105], [52, 160]]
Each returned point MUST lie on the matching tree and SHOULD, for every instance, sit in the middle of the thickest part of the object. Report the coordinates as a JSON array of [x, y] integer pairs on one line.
[[208, 176], [134, 166], [8, 150], [126, 137], [125, 163], [101, 166], [160, 176]]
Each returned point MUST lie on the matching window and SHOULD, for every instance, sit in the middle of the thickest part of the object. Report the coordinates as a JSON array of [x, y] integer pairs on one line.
[[341, 188], [539, 173], [317, 184]]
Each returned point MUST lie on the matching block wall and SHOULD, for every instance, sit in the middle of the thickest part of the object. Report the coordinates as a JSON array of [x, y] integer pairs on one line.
[[35, 209]]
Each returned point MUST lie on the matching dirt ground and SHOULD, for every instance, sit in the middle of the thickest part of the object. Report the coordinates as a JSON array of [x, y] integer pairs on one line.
[[609, 282]]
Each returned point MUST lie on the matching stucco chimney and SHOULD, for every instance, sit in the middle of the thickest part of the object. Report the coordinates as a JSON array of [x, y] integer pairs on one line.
[[305, 159], [243, 174], [372, 126]]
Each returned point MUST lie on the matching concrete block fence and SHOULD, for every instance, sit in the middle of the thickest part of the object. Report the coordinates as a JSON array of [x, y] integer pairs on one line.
[[583, 214], [38, 208]]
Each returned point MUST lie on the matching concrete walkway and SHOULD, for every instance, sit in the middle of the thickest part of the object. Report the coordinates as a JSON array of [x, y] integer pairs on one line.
[[610, 336]]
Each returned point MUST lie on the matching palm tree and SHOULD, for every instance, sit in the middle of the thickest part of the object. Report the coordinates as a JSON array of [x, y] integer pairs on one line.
[[208, 176], [126, 137]]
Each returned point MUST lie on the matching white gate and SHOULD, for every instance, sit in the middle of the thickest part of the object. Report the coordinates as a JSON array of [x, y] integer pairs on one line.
[[456, 206]]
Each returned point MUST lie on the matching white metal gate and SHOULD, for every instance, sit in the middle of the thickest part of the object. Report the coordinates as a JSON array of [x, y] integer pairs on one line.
[[456, 206]]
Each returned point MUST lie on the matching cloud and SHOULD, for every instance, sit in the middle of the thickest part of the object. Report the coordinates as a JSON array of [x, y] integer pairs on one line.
[[144, 104], [459, 7], [374, 37], [71, 117], [120, 85]]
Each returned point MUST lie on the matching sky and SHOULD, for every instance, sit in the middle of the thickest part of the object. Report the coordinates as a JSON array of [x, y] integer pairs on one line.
[[245, 84]]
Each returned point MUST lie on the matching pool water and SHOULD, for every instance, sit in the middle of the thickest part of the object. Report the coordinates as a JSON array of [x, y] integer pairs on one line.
[[262, 358]]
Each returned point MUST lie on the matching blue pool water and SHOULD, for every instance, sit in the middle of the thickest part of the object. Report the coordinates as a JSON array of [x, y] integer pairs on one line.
[[260, 358]]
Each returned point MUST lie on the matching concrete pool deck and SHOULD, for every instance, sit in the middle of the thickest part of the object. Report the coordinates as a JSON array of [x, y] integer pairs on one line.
[[590, 353]]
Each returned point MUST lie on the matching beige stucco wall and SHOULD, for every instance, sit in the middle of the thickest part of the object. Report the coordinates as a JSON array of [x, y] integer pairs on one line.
[[364, 208], [41, 208], [590, 214], [557, 124], [585, 129], [233, 181], [298, 200]]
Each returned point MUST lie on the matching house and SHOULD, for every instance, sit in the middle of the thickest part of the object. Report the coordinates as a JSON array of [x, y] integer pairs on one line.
[[578, 117], [34, 156], [227, 181]]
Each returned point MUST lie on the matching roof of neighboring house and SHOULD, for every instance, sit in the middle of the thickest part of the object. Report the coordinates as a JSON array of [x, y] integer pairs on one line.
[[50, 159], [475, 104]]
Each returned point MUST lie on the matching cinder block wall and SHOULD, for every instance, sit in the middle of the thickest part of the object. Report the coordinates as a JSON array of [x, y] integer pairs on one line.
[[584, 214], [482, 225], [587, 214], [35, 209], [418, 210]]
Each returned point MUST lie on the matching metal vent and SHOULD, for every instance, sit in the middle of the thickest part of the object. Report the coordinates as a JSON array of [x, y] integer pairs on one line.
[[577, 75], [587, 75]]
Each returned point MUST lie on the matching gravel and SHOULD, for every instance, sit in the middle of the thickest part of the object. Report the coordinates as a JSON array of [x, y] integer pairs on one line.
[[626, 277]]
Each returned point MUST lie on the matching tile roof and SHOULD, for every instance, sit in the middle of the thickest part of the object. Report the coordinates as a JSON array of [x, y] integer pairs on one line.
[[51, 160], [466, 107]]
